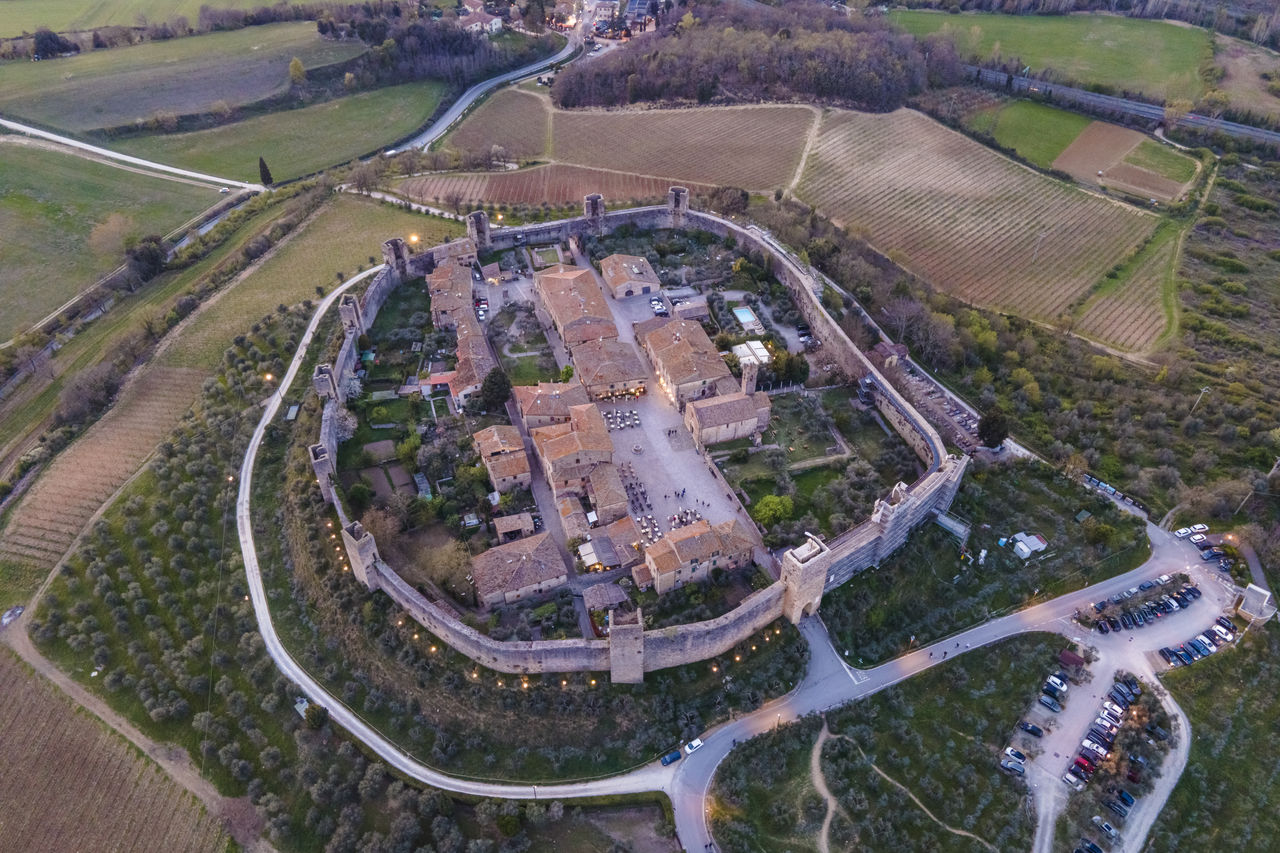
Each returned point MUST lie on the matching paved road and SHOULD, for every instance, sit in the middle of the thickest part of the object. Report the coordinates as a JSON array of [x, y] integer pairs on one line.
[[441, 125], [828, 682], [125, 158]]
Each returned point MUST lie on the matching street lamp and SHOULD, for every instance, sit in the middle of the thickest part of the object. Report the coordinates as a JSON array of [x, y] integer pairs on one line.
[[1203, 391]]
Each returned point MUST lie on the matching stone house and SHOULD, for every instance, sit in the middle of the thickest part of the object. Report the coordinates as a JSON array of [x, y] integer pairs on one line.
[[628, 275], [449, 286], [575, 304], [569, 452], [548, 402], [689, 553], [609, 368], [509, 527], [727, 417], [502, 453], [607, 494], [687, 363], [518, 570]]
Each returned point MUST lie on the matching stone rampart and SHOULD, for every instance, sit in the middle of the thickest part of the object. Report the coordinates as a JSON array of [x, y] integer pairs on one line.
[[682, 644]]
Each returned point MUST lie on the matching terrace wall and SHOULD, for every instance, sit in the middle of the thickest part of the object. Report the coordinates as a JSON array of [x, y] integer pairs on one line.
[[863, 546]]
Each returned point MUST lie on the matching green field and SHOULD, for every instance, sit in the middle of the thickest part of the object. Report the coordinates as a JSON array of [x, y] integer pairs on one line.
[[109, 88], [1125, 53], [1037, 132], [64, 220], [340, 238], [1162, 160], [62, 15], [297, 142]]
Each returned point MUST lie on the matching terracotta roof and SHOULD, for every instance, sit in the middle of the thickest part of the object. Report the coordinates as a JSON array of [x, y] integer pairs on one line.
[[727, 409], [549, 399], [602, 596], [575, 303], [475, 360], [682, 350], [606, 487], [697, 542], [586, 430], [507, 465], [513, 523], [641, 574], [450, 288], [621, 270], [607, 362], [454, 249], [516, 565], [495, 440]]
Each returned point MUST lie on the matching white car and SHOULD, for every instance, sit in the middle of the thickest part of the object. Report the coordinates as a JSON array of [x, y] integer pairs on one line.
[[1197, 538], [1182, 532], [693, 746], [1057, 684], [1115, 709], [1105, 724], [1075, 782], [1096, 748], [1110, 830], [1014, 754], [1226, 635], [1207, 643], [1199, 528]]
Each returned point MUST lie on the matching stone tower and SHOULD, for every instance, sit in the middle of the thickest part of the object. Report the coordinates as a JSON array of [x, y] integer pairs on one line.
[[678, 205], [322, 465], [626, 647], [593, 210], [325, 383], [352, 316], [804, 578], [362, 551], [750, 372], [396, 255], [478, 230]]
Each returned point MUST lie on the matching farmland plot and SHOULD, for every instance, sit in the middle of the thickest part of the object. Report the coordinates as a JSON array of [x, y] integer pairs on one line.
[[1133, 316], [966, 219], [517, 121], [69, 784], [755, 148], [555, 184], [81, 478]]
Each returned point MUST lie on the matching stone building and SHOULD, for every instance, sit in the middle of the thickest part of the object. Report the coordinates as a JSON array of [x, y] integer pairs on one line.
[[569, 452], [690, 553], [607, 494], [575, 304], [628, 275], [548, 402], [609, 368], [687, 363], [450, 289], [502, 453], [518, 570], [509, 527], [727, 417], [475, 360]]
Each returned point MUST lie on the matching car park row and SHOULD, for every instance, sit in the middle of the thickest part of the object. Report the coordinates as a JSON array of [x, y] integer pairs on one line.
[[1155, 606], [1096, 747]]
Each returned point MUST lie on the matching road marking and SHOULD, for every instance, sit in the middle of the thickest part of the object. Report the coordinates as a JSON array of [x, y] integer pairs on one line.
[[857, 675]]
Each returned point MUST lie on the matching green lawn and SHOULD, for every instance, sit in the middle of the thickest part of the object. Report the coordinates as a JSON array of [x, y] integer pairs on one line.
[[927, 591], [61, 15], [108, 88], [340, 238], [297, 142], [1037, 132], [938, 735], [1124, 53], [64, 221], [1162, 160]]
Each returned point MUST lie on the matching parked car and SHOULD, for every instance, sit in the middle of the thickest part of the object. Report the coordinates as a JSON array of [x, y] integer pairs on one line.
[[1114, 623], [1126, 620], [1115, 709], [1014, 767], [1084, 764], [671, 758], [1185, 655], [1031, 729], [1117, 807], [1138, 619], [1146, 585], [1074, 782], [1182, 532], [1103, 627], [1226, 623], [693, 746], [1050, 703], [1168, 656], [1108, 829], [1057, 683], [1213, 554], [1199, 528], [1223, 633], [1094, 748], [1197, 538], [1014, 754], [1125, 797], [1193, 591]]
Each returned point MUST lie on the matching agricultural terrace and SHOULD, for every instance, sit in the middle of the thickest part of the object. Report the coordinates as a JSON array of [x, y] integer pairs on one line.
[[755, 147], [49, 517], [1250, 80], [514, 120], [554, 185], [1134, 310], [910, 768], [25, 16], [300, 141], [335, 243], [1125, 54], [931, 587], [71, 784], [183, 76], [971, 222], [65, 220]]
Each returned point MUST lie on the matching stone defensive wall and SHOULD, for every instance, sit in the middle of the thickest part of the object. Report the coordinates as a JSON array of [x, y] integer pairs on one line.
[[807, 571]]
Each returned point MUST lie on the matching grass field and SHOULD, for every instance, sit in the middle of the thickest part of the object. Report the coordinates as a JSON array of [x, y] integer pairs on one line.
[[937, 736], [755, 148], [61, 15], [518, 121], [1162, 160], [927, 591], [1245, 63], [108, 88], [1131, 54], [554, 184], [64, 221], [1036, 131], [297, 142], [340, 238], [73, 784], [1136, 310], [971, 222]]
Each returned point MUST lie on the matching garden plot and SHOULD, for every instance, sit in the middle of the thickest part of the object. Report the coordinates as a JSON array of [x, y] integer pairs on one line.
[[1111, 156]]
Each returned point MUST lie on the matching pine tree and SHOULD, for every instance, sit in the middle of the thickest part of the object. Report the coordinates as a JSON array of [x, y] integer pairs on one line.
[[264, 173]]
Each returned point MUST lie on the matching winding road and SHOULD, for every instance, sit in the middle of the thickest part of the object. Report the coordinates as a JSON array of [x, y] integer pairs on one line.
[[827, 683]]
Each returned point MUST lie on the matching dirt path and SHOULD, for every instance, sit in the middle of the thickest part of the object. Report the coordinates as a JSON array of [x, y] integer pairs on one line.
[[238, 815], [820, 784], [804, 155]]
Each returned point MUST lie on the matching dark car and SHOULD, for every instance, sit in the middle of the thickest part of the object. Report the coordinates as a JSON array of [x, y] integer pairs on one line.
[[1134, 775], [1031, 729], [1145, 585], [1138, 620], [1183, 655], [1103, 627], [1090, 846], [1124, 690], [1182, 600], [1114, 623], [1193, 591], [1099, 736], [1168, 656], [1226, 623], [1125, 797], [1119, 698], [1126, 620], [671, 758], [1077, 772], [1117, 807], [1099, 607]]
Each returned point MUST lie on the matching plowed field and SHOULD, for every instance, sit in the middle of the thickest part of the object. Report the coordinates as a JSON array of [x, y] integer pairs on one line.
[[517, 121], [83, 476], [553, 184], [966, 219], [69, 784], [1133, 317]]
